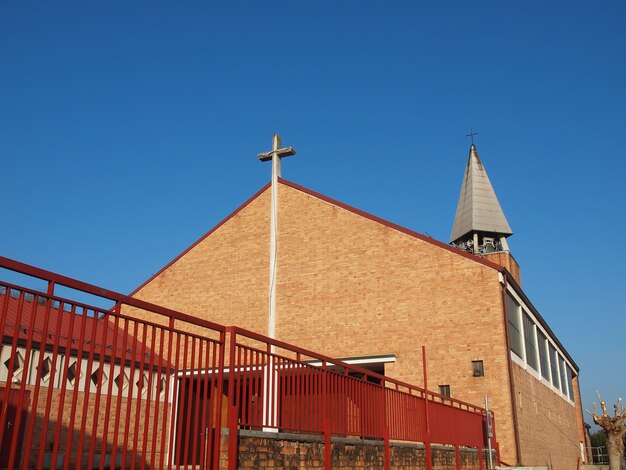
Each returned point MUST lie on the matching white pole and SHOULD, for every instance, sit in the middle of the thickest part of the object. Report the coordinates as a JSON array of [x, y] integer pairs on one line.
[[488, 432], [271, 413], [271, 323]]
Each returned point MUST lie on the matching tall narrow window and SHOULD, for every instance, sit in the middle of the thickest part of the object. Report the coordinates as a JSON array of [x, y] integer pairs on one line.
[[543, 355], [514, 326], [530, 341], [562, 371], [570, 384], [554, 367]]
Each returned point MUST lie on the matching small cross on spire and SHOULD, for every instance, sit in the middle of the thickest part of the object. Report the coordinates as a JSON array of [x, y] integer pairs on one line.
[[471, 135]]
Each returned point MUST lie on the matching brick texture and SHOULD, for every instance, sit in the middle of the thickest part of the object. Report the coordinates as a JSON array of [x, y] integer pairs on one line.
[[545, 417]]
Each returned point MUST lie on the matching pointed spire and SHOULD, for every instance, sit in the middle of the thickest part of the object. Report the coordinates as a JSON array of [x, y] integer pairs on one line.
[[478, 212]]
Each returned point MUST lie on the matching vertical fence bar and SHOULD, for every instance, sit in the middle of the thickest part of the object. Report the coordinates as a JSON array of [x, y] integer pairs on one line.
[[166, 398], [244, 406], [204, 369], [3, 317], [326, 417], [157, 401], [217, 448], [182, 406], [129, 395], [25, 376], [141, 387], [50, 392], [232, 410], [87, 387], [120, 392], [94, 427], [63, 385], [146, 426], [383, 395], [196, 403], [175, 399], [39, 374], [107, 407], [429, 460], [11, 368], [76, 387]]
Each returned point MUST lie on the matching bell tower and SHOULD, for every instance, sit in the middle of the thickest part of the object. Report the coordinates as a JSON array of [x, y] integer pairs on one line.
[[480, 226]]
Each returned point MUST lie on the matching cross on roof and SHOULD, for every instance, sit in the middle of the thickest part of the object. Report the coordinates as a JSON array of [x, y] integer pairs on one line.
[[471, 135], [276, 150]]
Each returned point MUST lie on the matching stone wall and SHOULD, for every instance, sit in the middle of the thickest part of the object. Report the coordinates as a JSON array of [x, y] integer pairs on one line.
[[259, 450]]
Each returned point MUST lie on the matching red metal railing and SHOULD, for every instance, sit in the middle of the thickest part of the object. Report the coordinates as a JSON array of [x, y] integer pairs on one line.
[[278, 386], [135, 386], [141, 386]]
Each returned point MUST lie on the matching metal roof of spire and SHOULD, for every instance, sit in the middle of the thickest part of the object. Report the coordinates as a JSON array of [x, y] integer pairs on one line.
[[478, 209]]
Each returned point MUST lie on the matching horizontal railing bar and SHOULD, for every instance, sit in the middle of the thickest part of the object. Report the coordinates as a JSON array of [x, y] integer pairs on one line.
[[329, 360], [109, 314], [101, 292]]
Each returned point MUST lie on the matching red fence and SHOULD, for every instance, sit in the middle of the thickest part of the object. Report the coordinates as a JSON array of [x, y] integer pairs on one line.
[[277, 386], [136, 385]]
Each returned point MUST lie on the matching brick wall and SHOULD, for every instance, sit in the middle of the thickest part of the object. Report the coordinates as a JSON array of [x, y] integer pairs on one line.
[[505, 259], [549, 434]]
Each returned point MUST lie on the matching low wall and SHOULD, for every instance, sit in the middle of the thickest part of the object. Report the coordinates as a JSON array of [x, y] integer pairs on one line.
[[260, 450]]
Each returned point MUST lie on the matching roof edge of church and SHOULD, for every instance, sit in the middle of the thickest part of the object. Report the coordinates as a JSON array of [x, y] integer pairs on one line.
[[199, 240], [399, 228]]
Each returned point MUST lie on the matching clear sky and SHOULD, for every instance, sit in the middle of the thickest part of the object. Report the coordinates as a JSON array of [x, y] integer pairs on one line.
[[129, 129]]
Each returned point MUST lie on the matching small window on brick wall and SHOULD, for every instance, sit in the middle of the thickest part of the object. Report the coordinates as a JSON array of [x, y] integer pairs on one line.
[[478, 370], [444, 390]]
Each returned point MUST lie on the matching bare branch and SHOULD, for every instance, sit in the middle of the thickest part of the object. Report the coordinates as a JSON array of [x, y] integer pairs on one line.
[[603, 406]]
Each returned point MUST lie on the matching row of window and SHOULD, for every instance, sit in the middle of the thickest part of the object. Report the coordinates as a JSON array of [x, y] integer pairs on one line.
[[531, 345]]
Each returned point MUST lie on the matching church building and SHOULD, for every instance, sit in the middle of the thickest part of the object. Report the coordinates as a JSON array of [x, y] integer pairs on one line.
[[354, 286]]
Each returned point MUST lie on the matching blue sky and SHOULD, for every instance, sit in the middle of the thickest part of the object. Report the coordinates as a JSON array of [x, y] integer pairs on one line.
[[129, 129]]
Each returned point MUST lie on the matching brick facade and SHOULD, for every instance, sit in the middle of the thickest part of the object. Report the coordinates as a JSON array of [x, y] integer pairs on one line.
[[541, 415], [349, 285]]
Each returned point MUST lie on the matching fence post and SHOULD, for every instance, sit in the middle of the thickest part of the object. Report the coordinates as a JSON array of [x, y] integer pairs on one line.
[[429, 460], [232, 406], [385, 427], [327, 440]]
